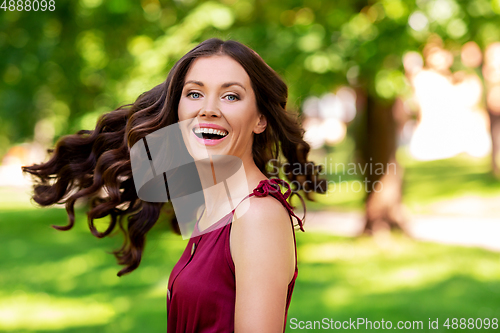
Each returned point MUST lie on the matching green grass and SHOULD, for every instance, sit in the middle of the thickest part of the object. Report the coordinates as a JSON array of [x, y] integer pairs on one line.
[[54, 281], [396, 279], [431, 181], [64, 281]]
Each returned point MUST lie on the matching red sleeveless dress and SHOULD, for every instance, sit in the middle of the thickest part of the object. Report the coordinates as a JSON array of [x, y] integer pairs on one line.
[[202, 288]]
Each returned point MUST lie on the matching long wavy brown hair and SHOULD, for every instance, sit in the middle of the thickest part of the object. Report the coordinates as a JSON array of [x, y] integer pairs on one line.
[[95, 164]]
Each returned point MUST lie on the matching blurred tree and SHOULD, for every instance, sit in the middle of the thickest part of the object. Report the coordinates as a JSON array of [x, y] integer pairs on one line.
[[491, 73], [59, 70]]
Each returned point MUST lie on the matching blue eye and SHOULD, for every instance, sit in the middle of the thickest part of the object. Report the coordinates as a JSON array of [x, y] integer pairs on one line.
[[232, 98], [194, 95]]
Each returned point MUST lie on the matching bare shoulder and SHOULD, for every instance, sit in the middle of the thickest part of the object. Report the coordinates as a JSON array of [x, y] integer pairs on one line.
[[263, 236], [264, 215]]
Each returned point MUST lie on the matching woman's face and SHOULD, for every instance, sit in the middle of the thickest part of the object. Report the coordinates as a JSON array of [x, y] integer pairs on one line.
[[219, 108]]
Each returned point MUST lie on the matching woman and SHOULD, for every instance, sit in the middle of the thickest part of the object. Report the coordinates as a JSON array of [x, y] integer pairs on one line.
[[240, 276]]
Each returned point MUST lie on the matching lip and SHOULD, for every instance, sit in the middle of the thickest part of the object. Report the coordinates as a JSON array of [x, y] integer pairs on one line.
[[205, 141], [208, 125]]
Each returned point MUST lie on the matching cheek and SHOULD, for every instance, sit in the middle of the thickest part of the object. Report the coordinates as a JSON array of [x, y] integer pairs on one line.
[[182, 110], [243, 126]]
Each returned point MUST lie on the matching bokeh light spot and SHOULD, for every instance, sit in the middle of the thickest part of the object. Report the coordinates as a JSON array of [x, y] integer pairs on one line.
[[12, 74], [24, 311], [456, 28], [318, 63], [418, 21], [90, 3], [222, 18]]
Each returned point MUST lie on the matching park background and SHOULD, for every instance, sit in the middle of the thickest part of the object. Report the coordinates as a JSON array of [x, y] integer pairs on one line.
[[412, 84]]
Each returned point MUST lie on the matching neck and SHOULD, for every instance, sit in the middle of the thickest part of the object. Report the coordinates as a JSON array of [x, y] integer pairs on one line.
[[223, 195]]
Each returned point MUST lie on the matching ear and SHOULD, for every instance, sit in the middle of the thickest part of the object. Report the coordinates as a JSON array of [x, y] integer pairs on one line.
[[261, 125]]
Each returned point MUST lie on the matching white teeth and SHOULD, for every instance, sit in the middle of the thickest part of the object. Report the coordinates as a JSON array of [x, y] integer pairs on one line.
[[210, 131]]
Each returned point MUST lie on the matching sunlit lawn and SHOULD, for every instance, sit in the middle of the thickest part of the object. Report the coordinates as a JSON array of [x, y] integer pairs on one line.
[[424, 182], [394, 280], [65, 281], [55, 281]]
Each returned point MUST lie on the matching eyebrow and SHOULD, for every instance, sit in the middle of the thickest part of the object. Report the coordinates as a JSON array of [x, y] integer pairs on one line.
[[224, 85]]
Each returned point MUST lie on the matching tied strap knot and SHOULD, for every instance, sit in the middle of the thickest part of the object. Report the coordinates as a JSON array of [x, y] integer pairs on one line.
[[265, 187], [272, 186]]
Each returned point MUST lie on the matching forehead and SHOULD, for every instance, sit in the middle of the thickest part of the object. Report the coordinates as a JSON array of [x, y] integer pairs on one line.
[[217, 69]]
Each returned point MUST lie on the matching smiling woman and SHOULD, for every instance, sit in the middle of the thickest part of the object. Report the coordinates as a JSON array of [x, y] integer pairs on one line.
[[239, 267]]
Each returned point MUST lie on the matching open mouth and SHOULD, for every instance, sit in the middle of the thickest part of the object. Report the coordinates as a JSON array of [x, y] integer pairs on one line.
[[209, 133]]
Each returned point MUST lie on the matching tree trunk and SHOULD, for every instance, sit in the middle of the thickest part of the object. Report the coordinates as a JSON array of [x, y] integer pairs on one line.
[[495, 141], [383, 174], [491, 83]]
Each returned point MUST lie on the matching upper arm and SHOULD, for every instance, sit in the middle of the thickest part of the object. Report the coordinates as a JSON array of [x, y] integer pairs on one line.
[[262, 249]]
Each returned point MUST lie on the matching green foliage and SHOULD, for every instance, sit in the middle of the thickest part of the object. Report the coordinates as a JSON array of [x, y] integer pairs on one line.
[[90, 56]]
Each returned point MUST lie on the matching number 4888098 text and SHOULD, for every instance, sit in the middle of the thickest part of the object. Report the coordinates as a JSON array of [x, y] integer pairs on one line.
[[28, 5]]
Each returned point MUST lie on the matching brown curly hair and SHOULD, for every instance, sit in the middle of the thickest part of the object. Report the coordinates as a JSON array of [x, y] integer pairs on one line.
[[90, 162]]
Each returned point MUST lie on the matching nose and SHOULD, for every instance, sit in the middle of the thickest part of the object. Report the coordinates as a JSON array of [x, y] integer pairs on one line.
[[210, 109]]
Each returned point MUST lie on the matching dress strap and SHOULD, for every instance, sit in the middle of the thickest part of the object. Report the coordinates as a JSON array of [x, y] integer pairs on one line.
[[272, 187], [265, 187]]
